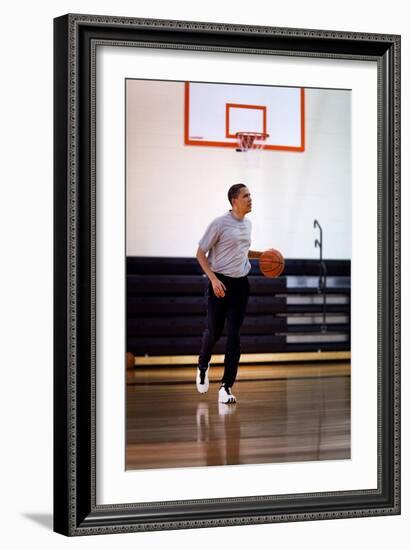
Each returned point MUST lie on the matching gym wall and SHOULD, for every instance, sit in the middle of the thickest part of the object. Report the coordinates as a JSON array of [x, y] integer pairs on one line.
[[174, 191]]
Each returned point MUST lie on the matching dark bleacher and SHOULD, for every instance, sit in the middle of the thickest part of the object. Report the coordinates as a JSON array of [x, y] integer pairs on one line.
[[166, 308]]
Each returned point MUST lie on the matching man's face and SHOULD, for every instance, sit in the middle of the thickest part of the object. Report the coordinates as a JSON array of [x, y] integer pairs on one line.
[[243, 202]]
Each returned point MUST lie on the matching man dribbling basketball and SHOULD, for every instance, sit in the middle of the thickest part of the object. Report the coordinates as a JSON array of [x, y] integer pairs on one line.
[[227, 241]]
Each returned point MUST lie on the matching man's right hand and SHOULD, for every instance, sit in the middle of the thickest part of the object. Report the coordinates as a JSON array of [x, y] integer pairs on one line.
[[218, 288]]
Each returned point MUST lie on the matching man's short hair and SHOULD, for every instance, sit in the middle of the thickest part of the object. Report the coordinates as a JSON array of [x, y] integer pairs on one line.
[[234, 191]]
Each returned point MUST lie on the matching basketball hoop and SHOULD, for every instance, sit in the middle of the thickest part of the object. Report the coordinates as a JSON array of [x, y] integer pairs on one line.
[[251, 141]]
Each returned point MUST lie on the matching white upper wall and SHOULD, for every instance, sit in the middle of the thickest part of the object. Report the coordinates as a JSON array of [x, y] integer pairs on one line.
[[174, 191]]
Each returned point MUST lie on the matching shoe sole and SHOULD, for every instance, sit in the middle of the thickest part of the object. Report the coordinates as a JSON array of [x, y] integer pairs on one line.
[[230, 401]]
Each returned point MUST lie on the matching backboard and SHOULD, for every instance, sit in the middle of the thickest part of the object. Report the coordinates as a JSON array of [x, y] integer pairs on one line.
[[214, 113]]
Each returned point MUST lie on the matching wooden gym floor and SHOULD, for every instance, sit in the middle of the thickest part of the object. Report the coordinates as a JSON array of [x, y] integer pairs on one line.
[[285, 413]]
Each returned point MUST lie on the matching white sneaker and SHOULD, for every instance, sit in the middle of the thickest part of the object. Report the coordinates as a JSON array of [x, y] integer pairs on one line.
[[202, 380], [225, 396]]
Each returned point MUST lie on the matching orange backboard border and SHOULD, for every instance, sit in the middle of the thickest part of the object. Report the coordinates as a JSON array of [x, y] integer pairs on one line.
[[233, 145], [229, 106]]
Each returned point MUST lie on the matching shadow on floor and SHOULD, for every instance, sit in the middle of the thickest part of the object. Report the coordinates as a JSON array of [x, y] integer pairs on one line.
[[45, 520]]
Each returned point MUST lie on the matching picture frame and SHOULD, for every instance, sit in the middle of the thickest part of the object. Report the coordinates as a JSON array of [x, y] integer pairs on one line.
[[76, 511]]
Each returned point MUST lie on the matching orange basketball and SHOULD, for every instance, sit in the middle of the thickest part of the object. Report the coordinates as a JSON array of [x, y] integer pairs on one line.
[[129, 360], [271, 263]]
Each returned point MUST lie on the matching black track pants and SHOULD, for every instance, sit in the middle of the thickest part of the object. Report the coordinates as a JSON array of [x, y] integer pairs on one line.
[[230, 310]]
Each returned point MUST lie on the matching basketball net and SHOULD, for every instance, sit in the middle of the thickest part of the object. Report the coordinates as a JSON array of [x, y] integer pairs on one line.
[[250, 141]]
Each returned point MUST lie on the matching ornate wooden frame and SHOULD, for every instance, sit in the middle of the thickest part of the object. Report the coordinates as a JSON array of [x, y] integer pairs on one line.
[[75, 509]]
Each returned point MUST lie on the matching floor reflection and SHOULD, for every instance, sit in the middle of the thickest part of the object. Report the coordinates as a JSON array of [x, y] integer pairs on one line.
[[219, 433], [279, 420]]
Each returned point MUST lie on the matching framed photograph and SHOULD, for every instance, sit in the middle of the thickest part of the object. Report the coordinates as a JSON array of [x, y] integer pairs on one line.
[[227, 275]]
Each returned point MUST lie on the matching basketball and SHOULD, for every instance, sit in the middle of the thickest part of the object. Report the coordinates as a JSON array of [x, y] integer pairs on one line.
[[129, 360], [271, 263]]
